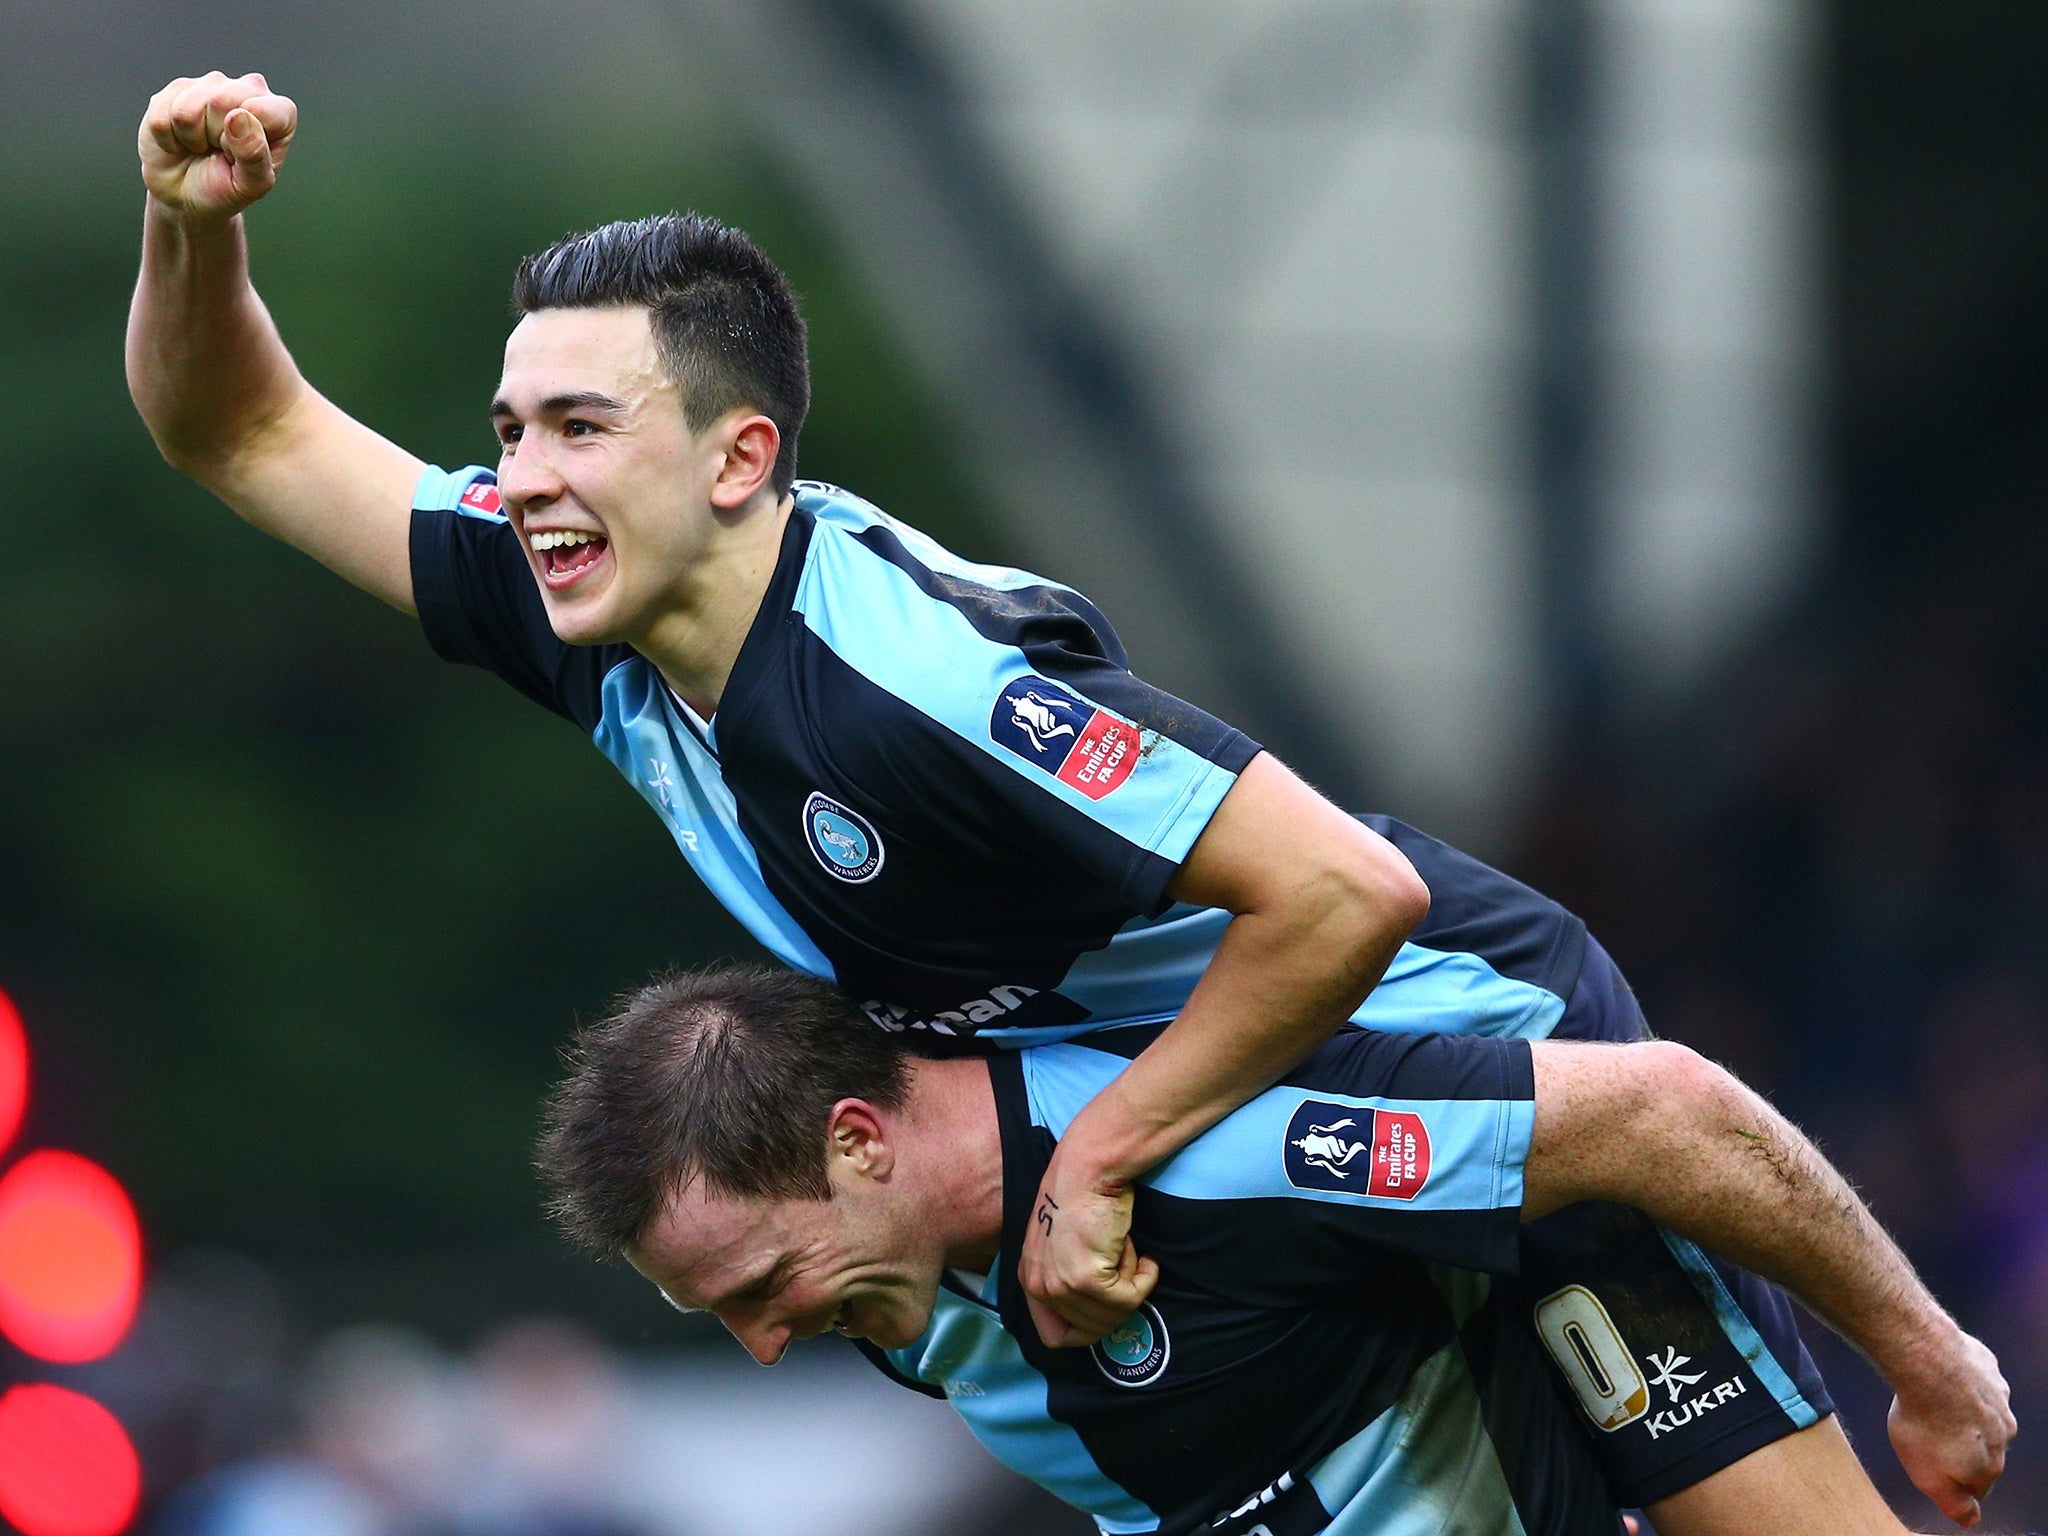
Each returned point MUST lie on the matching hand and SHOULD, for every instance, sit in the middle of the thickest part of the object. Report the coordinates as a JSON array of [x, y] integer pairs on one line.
[[1082, 1274], [210, 147], [1951, 1434]]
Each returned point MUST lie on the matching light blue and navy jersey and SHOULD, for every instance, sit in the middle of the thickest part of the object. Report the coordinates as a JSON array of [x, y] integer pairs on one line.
[[939, 784], [1325, 1351]]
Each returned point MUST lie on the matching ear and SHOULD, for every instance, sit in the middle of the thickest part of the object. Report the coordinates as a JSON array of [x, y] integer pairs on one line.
[[750, 444], [858, 1141]]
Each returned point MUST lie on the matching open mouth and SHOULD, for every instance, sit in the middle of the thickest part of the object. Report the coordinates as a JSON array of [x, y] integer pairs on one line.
[[567, 554]]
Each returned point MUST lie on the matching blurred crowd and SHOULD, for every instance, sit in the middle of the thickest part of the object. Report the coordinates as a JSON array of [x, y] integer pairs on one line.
[[539, 1428]]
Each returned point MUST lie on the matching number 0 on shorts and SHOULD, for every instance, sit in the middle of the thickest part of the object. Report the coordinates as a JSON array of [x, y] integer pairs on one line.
[[1587, 1347]]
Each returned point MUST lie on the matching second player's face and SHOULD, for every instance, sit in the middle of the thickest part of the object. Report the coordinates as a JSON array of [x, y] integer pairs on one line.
[[602, 478], [777, 1270]]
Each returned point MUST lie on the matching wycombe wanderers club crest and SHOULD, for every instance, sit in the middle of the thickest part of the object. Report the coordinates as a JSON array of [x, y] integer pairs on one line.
[[845, 842], [1136, 1354], [1348, 1149]]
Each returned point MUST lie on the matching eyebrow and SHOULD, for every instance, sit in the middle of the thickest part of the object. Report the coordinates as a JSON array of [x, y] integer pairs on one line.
[[562, 405], [686, 1311]]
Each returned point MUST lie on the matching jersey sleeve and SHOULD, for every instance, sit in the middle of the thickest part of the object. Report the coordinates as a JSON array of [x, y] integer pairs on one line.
[[1080, 760], [477, 600], [1037, 743], [1416, 1144], [1379, 1144]]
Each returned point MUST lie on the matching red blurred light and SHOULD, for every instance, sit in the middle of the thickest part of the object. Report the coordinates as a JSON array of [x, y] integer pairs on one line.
[[13, 1069], [70, 1257], [66, 1465]]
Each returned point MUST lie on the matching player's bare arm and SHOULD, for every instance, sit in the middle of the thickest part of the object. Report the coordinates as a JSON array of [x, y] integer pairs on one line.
[[206, 366], [1656, 1126], [1322, 906]]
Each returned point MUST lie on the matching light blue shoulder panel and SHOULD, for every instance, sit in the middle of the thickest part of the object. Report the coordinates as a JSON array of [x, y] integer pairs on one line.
[[923, 651], [967, 1354], [1477, 1147], [440, 490], [677, 775], [843, 509]]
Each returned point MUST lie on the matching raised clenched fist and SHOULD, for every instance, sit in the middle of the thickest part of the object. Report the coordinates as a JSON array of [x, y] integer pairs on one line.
[[210, 147]]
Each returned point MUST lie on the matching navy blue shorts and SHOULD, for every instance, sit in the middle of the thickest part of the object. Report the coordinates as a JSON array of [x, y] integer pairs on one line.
[[1683, 1364]]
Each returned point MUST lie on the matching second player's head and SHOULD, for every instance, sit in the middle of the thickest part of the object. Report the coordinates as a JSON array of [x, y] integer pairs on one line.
[[749, 1142], [723, 1077]]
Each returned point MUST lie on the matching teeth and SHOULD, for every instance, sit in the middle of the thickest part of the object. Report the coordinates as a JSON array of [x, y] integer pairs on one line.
[[568, 537]]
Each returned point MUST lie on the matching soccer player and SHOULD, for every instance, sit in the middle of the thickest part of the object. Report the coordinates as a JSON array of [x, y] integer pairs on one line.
[[932, 781], [1324, 1350]]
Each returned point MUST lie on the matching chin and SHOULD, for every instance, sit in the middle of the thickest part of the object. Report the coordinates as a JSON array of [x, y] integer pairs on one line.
[[891, 1336], [579, 623], [917, 1318], [901, 1327]]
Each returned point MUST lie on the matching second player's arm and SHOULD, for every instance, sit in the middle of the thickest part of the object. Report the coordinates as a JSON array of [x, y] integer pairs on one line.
[[207, 368], [1322, 904], [1658, 1127]]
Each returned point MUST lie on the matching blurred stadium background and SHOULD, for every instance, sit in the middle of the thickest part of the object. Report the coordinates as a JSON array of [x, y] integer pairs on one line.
[[1610, 433]]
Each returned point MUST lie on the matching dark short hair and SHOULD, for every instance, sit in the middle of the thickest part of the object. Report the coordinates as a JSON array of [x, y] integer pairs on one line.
[[725, 322], [725, 1075]]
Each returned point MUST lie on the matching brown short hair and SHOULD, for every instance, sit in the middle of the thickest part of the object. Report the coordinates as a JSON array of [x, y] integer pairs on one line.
[[725, 1075]]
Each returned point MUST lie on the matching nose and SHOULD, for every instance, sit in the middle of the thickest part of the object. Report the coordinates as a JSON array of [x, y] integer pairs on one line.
[[765, 1341], [526, 474]]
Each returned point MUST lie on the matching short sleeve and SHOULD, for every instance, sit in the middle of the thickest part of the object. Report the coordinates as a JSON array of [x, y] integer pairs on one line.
[[1094, 766], [1036, 744], [477, 600], [1413, 1143], [1378, 1144]]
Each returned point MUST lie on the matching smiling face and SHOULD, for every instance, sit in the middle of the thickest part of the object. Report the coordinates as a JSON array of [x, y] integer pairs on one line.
[[617, 503], [773, 1270]]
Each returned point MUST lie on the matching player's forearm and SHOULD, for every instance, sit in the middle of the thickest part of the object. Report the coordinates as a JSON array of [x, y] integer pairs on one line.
[[206, 366], [1281, 981], [1322, 904], [1708, 1158]]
